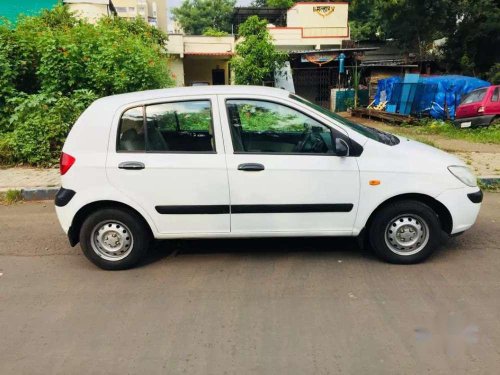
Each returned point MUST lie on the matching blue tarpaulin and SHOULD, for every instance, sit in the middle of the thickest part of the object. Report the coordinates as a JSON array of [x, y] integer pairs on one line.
[[438, 102]]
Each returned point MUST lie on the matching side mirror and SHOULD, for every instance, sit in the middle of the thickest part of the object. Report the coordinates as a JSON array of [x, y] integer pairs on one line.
[[341, 147]]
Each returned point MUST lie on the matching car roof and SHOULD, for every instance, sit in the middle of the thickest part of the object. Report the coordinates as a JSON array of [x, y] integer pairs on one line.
[[123, 99]]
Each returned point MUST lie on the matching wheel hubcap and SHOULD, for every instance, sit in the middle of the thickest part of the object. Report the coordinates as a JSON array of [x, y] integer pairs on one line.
[[112, 240], [407, 234]]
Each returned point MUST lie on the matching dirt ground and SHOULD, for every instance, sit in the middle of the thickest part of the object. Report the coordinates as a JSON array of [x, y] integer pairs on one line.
[[483, 158]]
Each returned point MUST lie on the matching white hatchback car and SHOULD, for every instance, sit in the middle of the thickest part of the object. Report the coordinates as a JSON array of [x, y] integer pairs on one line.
[[243, 161]]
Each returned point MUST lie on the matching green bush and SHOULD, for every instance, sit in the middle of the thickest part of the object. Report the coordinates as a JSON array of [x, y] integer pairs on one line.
[[53, 66], [42, 124]]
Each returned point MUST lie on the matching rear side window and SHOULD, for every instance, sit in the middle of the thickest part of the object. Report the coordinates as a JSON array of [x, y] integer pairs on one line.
[[131, 132], [474, 96], [184, 126]]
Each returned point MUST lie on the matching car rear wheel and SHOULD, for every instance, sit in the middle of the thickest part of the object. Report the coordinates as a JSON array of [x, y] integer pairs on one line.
[[405, 232], [114, 239]]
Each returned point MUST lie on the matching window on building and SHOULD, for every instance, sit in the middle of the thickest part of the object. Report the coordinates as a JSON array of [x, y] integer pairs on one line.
[[268, 127]]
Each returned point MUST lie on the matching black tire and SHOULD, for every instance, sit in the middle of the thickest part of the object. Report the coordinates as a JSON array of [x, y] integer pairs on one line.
[[135, 231], [391, 214]]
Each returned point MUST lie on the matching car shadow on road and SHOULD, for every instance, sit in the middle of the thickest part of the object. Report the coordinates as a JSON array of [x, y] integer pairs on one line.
[[336, 246]]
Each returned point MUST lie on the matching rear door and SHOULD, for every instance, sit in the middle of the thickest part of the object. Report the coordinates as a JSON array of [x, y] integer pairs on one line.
[[283, 173], [168, 156]]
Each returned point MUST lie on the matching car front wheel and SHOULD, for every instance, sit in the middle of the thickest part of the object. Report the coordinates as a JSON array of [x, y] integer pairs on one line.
[[405, 232], [114, 239]]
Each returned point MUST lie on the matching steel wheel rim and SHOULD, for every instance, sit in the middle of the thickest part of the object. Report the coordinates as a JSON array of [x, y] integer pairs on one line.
[[407, 234], [112, 240]]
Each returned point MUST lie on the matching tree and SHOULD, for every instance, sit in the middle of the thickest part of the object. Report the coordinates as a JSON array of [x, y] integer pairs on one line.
[[256, 56], [474, 46], [210, 31], [53, 65], [364, 23], [415, 24], [195, 16], [280, 3]]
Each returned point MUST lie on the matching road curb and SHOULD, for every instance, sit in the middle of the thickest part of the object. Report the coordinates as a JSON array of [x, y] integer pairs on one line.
[[48, 193], [39, 194]]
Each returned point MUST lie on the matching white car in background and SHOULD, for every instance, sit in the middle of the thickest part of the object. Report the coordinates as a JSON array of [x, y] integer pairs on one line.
[[243, 161]]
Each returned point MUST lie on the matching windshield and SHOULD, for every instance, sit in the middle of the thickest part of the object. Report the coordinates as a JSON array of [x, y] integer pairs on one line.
[[474, 96], [369, 132]]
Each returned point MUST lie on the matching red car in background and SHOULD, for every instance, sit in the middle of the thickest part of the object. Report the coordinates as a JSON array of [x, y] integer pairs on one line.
[[480, 107]]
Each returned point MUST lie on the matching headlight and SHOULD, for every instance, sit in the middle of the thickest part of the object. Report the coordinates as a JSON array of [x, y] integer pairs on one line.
[[463, 174]]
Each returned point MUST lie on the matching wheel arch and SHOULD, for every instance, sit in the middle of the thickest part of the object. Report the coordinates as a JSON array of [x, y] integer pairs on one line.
[[444, 215], [85, 211]]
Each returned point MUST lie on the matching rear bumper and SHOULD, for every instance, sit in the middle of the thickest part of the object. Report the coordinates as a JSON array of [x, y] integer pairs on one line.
[[464, 205], [467, 122]]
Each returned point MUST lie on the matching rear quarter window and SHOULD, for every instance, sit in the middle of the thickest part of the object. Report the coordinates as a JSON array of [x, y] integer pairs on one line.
[[474, 96]]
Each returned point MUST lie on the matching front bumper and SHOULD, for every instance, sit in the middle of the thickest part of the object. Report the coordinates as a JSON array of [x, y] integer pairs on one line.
[[464, 205], [468, 122]]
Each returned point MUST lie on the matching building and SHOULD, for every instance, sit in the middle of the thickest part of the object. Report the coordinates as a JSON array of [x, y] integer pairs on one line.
[[91, 10], [152, 11], [313, 26], [316, 36], [199, 59]]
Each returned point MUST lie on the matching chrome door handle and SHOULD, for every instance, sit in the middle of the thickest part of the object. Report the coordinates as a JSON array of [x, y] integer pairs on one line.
[[133, 165], [251, 167]]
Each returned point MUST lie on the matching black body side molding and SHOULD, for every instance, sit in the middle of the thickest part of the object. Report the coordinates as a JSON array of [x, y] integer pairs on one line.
[[254, 209]]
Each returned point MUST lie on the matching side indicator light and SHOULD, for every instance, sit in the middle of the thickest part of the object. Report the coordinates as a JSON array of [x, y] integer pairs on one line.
[[374, 182]]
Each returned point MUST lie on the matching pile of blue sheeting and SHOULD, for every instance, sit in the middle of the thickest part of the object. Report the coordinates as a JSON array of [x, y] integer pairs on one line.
[[437, 96]]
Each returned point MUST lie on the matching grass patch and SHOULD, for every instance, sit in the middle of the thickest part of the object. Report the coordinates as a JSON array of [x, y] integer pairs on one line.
[[428, 127], [492, 187], [11, 196]]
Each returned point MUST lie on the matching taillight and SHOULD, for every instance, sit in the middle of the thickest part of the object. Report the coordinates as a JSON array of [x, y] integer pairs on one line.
[[65, 163], [480, 109]]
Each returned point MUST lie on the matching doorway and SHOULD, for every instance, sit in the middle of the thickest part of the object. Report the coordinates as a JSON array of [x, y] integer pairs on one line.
[[218, 76]]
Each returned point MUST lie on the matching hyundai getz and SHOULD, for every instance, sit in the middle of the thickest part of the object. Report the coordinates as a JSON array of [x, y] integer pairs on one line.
[[243, 161]]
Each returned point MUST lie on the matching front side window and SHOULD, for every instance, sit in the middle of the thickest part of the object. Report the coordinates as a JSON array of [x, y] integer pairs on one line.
[[184, 126], [266, 127], [369, 132]]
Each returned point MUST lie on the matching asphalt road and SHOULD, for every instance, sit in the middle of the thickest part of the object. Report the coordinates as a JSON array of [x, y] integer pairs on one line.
[[287, 306]]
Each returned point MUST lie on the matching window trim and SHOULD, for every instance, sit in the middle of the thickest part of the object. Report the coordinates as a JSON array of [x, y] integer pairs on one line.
[[495, 91], [331, 153], [145, 128]]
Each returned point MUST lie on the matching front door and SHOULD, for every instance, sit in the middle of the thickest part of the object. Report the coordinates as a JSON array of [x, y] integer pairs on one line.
[[168, 157], [218, 77], [283, 173]]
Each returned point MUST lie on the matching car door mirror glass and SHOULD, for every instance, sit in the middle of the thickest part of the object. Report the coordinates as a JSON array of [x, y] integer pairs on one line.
[[341, 147]]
